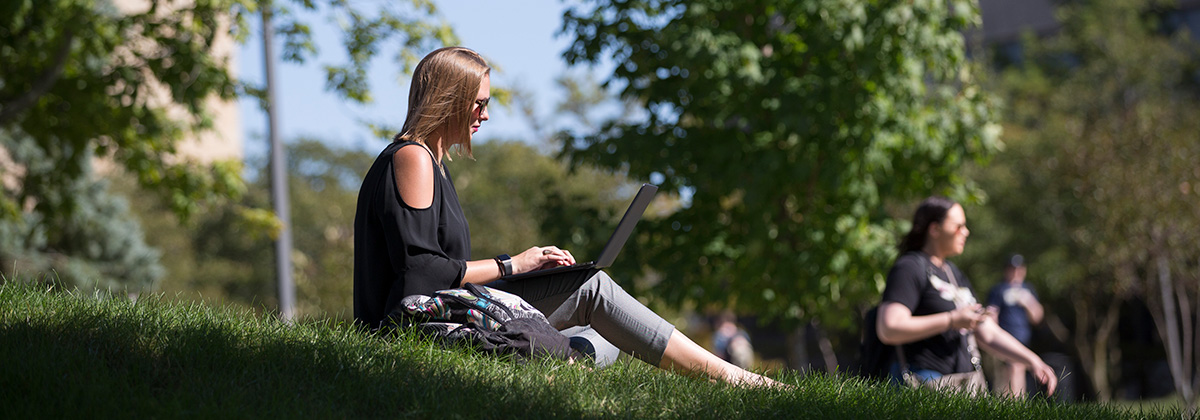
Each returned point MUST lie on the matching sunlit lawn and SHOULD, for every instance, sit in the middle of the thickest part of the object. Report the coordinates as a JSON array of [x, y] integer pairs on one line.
[[67, 356]]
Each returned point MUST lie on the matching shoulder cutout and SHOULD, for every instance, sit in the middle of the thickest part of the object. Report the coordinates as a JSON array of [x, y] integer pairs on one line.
[[414, 176]]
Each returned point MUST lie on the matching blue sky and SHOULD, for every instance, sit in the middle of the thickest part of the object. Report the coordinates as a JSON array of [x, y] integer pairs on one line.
[[520, 40]]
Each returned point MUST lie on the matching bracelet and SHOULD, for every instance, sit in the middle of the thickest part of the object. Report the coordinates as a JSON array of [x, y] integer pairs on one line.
[[950, 317]]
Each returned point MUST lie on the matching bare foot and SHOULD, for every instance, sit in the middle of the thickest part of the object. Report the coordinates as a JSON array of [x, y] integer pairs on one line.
[[740, 377], [581, 365]]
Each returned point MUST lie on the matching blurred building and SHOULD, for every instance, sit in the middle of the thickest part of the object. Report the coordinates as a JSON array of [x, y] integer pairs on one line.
[[1006, 21], [225, 140]]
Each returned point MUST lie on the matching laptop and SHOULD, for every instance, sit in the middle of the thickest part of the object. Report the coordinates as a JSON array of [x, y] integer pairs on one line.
[[614, 245]]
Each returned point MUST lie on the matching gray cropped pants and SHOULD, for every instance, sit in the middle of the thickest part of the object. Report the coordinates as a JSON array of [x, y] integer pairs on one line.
[[600, 317]]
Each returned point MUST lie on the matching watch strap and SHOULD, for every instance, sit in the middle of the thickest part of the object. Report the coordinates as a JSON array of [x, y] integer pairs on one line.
[[505, 264]]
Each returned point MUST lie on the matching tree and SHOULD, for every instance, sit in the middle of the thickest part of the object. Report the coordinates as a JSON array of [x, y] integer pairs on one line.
[[84, 80], [99, 246], [1102, 179], [786, 126]]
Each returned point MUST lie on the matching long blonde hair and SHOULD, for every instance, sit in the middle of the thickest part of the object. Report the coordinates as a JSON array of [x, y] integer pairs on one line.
[[442, 95]]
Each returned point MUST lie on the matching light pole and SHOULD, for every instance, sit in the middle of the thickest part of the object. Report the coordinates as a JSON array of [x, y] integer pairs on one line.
[[279, 188]]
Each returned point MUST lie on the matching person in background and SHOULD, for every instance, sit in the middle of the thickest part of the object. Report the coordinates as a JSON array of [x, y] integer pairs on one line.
[[1015, 307], [731, 342]]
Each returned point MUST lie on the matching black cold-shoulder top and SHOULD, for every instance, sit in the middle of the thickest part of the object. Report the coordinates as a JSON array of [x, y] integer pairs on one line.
[[400, 250]]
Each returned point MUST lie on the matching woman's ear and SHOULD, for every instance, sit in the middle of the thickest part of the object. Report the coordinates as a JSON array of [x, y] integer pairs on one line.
[[933, 231]]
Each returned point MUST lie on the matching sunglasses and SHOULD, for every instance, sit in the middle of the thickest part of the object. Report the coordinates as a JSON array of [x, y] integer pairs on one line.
[[481, 104]]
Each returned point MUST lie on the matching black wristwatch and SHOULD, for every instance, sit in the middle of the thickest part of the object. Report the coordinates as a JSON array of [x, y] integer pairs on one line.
[[505, 263]]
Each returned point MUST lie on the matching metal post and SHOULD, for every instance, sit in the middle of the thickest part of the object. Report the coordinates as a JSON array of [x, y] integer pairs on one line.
[[279, 188]]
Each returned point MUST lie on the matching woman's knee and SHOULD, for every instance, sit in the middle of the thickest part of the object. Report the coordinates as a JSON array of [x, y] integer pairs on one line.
[[600, 285]]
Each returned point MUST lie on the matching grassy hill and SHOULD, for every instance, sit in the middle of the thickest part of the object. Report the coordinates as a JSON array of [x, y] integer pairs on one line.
[[63, 355]]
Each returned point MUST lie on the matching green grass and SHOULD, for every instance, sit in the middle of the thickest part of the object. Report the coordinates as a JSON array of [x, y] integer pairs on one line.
[[64, 355]]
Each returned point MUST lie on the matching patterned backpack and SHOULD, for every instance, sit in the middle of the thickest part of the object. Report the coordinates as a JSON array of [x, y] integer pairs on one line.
[[494, 321]]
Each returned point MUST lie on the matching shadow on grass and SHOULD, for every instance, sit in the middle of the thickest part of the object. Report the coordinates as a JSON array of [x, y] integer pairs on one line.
[[134, 363]]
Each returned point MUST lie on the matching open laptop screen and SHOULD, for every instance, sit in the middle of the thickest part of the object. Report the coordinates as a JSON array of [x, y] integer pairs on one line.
[[625, 227], [615, 242]]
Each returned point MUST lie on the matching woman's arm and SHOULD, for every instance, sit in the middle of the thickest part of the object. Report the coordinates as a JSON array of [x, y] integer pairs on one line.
[[414, 181], [897, 325], [1002, 344], [414, 176], [481, 272], [535, 258]]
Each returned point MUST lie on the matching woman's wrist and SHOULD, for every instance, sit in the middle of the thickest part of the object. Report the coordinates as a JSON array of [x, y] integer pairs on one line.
[[949, 321], [505, 264]]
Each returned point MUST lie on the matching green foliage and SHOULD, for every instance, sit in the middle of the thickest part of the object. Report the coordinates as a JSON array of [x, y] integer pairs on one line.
[[84, 80], [99, 246], [151, 358], [790, 125], [365, 34]]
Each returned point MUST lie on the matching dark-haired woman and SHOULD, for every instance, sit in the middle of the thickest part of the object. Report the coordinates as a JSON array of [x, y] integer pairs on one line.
[[929, 309], [410, 235]]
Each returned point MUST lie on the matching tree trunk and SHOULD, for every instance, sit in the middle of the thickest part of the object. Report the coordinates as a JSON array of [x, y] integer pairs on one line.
[[1185, 328], [797, 344], [1196, 348], [1168, 330], [1087, 356], [830, 358], [1094, 352]]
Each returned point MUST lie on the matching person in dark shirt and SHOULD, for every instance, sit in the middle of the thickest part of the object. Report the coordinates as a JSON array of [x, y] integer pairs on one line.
[[410, 235], [929, 307], [1016, 309]]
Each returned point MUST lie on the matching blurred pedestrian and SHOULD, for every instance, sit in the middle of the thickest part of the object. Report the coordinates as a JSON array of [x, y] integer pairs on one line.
[[1015, 307], [731, 342]]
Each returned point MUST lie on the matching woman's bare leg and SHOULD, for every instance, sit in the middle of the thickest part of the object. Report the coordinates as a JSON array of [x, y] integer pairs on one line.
[[684, 355], [1016, 384], [571, 300]]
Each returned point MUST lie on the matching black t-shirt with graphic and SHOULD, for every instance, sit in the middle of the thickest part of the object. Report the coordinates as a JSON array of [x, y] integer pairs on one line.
[[925, 289]]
